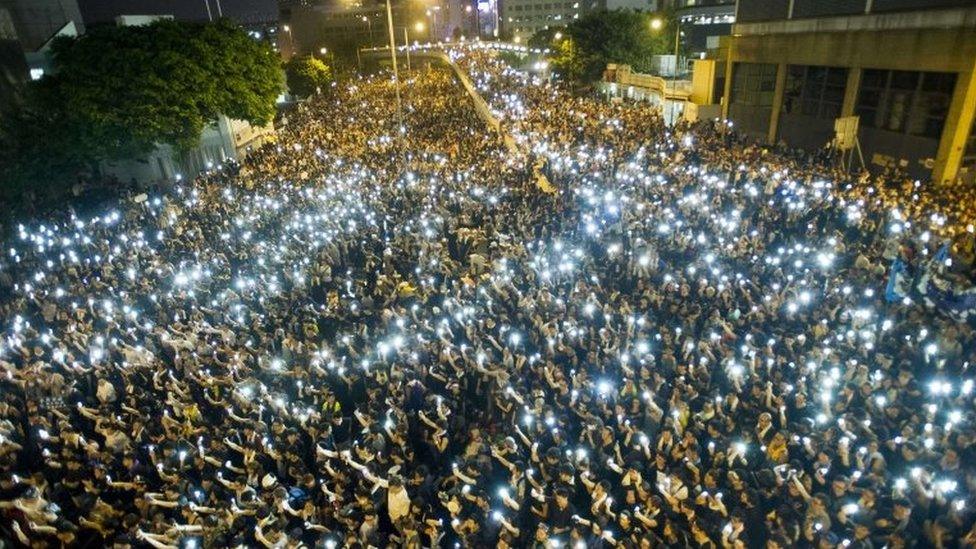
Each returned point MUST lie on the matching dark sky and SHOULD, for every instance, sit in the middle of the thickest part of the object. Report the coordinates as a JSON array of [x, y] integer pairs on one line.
[[100, 11]]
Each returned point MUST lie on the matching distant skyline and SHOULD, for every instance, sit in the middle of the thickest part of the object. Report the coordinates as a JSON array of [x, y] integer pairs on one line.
[[102, 11]]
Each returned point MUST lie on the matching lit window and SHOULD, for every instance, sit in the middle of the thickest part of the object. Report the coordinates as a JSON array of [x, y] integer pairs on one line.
[[36, 74]]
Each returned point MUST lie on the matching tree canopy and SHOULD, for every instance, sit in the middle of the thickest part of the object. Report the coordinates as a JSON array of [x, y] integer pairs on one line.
[[116, 92], [546, 38], [306, 75], [614, 36], [162, 83]]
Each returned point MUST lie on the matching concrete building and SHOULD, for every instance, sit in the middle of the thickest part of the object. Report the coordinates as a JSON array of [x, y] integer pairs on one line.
[[525, 17], [35, 21], [669, 95], [139, 20], [226, 139], [30, 26], [703, 22], [307, 26], [638, 5], [245, 13], [907, 68]]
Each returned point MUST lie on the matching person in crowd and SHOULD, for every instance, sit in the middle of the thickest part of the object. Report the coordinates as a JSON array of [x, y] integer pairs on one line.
[[368, 335]]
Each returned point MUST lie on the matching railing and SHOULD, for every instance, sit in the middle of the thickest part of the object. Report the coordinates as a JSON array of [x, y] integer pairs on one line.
[[622, 75], [500, 46]]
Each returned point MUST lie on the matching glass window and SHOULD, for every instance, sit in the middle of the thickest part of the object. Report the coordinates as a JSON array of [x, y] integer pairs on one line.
[[754, 84], [915, 103], [874, 78], [793, 89], [904, 80], [814, 90], [932, 105]]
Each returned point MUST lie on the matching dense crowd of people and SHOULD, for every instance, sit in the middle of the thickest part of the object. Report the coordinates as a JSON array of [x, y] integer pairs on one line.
[[369, 335]]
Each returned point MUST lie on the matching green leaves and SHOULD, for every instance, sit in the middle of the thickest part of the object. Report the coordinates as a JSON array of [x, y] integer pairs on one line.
[[601, 37], [117, 92], [162, 83], [308, 74]]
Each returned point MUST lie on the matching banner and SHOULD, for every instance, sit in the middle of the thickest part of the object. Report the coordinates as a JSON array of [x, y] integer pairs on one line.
[[898, 282]]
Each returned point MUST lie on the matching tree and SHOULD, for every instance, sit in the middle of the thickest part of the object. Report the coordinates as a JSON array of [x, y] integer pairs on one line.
[[162, 83], [306, 75], [617, 36], [567, 60], [117, 92], [41, 148], [547, 38]]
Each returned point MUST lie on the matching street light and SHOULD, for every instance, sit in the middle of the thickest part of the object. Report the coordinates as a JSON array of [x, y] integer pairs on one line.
[[323, 50], [291, 45], [432, 15], [477, 19], [419, 27], [657, 24], [369, 26], [558, 35]]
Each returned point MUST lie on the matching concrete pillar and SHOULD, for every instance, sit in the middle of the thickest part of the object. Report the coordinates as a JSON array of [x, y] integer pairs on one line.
[[851, 91], [959, 122], [777, 103]]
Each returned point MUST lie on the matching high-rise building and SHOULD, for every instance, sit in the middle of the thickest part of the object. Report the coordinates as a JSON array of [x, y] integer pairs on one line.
[[523, 18], [34, 22], [638, 5], [27, 28], [244, 12], [307, 26], [702, 22], [906, 68]]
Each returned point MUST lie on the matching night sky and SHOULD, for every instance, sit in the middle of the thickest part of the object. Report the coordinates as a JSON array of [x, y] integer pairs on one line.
[[101, 11]]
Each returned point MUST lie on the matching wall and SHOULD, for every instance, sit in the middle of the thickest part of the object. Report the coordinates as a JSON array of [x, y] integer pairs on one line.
[[888, 46], [226, 139], [703, 81], [949, 50], [767, 10], [36, 21]]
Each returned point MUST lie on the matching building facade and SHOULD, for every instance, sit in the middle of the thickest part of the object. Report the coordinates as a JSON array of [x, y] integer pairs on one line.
[[702, 22], [523, 18], [638, 5], [35, 21], [907, 68], [307, 26], [224, 140]]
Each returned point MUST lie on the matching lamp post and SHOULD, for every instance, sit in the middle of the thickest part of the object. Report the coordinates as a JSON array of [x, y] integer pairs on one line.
[[291, 45], [657, 24], [476, 27], [396, 73], [369, 27], [418, 27], [432, 15]]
